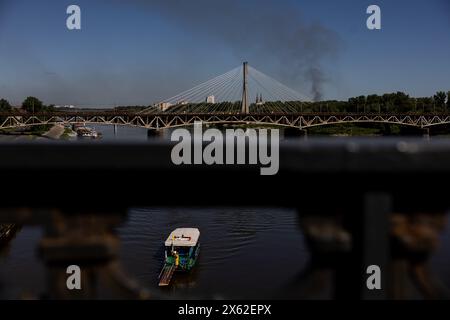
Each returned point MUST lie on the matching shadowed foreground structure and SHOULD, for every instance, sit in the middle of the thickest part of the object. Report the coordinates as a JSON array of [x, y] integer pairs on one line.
[[361, 202]]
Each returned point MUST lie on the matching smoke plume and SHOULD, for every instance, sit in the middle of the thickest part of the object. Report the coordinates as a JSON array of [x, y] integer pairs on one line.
[[317, 78], [265, 32]]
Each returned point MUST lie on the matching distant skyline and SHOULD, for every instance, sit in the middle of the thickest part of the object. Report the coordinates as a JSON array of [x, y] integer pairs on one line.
[[139, 52]]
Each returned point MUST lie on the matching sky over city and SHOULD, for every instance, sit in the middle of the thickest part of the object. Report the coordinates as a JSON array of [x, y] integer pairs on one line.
[[140, 52]]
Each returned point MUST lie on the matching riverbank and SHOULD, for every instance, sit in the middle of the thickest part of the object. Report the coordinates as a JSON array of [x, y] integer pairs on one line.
[[53, 132]]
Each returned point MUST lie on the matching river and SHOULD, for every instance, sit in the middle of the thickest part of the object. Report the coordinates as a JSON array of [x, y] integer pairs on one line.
[[253, 253]]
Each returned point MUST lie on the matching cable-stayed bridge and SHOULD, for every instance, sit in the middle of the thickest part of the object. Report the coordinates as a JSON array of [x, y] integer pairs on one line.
[[241, 90], [241, 96]]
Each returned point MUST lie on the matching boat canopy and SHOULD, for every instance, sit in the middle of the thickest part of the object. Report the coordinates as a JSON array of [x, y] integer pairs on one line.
[[183, 237]]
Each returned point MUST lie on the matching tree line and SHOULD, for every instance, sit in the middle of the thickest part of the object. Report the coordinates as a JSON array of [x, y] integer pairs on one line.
[[398, 102], [30, 104]]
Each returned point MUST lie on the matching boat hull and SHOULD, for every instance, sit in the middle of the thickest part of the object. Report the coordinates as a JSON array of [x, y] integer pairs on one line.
[[170, 268]]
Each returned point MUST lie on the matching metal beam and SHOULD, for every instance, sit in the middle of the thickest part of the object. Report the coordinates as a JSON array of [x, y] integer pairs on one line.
[[171, 120]]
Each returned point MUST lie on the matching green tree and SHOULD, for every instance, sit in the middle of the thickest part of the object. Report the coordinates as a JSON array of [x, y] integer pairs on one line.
[[387, 101], [440, 98], [353, 104], [4, 106], [49, 108], [402, 102], [361, 103], [425, 104], [32, 104], [373, 103]]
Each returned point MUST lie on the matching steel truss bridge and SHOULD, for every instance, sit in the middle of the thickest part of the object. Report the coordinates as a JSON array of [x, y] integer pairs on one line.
[[158, 121]]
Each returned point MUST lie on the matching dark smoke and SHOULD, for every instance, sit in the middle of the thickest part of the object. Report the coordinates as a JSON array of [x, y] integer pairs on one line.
[[270, 34], [317, 78]]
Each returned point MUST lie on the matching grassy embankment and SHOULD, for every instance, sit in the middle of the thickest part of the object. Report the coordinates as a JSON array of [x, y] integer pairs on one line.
[[36, 131], [29, 131], [67, 134]]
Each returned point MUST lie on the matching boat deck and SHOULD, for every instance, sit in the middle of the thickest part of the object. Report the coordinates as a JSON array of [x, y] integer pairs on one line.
[[166, 275]]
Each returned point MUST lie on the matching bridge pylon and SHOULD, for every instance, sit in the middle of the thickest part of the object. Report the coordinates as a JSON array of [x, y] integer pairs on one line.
[[245, 108]]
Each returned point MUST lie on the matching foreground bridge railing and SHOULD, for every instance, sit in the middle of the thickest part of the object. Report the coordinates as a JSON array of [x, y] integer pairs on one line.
[[169, 120], [360, 202]]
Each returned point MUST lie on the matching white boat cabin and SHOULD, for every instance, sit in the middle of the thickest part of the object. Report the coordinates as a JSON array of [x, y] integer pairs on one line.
[[183, 237]]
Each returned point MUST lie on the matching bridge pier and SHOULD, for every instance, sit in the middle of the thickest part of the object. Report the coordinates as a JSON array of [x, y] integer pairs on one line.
[[152, 133], [305, 133], [426, 133], [293, 132]]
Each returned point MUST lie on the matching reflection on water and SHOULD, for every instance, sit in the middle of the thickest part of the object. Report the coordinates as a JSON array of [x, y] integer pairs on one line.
[[22, 273], [110, 132]]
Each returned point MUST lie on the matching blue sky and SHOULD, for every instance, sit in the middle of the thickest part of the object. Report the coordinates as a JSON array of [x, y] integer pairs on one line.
[[139, 52]]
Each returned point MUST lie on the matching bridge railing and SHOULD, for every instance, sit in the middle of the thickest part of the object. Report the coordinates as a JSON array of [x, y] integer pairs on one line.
[[360, 202], [109, 112]]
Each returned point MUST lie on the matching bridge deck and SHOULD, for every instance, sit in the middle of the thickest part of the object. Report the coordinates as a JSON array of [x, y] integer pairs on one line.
[[170, 120]]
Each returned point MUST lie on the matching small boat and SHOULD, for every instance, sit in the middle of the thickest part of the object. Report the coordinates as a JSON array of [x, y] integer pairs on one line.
[[86, 132], [181, 252]]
